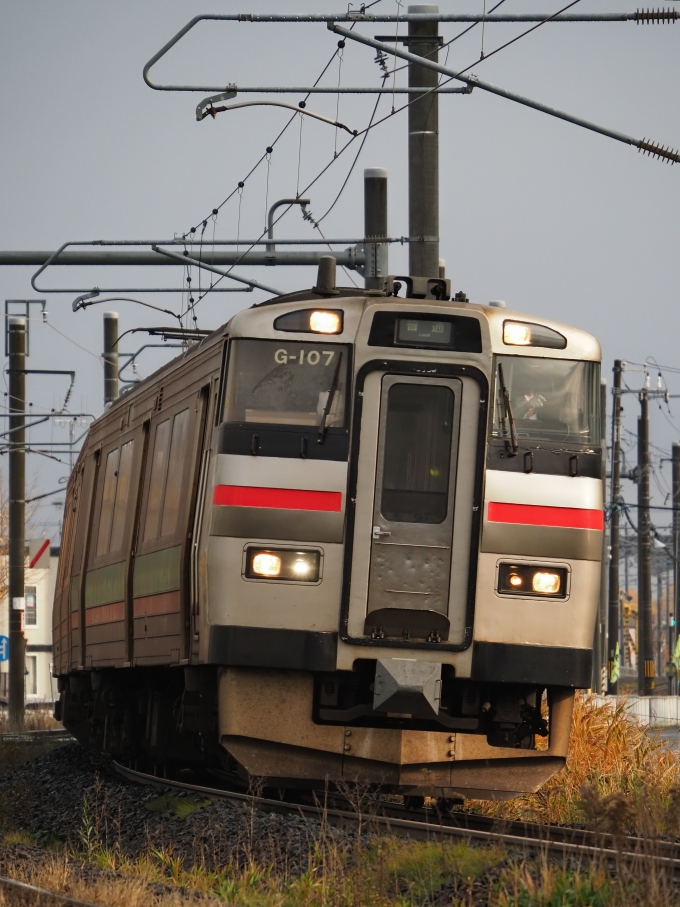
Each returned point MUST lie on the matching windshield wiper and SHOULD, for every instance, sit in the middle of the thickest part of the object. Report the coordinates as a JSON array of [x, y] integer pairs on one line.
[[329, 401], [513, 446]]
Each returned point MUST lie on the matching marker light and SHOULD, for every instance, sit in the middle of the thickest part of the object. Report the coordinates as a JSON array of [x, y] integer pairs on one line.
[[546, 583], [283, 564], [523, 333], [266, 565], [532, 580], [311, 321], [325, 322], [516, 334]]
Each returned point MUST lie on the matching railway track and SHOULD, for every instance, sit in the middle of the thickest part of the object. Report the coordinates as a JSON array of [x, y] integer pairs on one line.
[[53, 735], [24, 895], [391, 819]]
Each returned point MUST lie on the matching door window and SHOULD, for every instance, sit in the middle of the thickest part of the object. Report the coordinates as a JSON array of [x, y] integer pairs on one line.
[[115, 496], [167, 470], [418, 431]]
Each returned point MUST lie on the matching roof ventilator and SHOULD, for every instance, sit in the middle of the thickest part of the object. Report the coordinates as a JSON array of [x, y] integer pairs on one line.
[[325, 278]]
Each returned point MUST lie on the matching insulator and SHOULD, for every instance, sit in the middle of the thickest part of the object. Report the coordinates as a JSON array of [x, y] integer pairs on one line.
[[655, 150], [649, 16]]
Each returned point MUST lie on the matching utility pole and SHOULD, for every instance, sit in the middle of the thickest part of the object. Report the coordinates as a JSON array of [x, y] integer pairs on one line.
[[423, 148], [598, 681], [613, 649], [376, 268], [16, 329], [659, 631], [676, 548], [645, 639], [110, 357]]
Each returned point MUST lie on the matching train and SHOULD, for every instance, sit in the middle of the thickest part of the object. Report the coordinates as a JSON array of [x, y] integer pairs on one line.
[[352, 536]]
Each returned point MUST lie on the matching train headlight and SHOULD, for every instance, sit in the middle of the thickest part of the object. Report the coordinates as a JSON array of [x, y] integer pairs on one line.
[[532, 580], [266, 564], [546, 583], [288, 564], [325, 322]]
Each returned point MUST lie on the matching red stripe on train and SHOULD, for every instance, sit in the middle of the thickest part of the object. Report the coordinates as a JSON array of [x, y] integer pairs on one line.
[[277, 498], [534, 515]]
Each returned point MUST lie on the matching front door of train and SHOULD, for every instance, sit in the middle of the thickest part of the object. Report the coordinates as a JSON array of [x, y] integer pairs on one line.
[[413, 508]]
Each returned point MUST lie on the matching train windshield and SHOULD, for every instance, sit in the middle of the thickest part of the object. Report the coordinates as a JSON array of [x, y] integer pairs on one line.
[[550, 399], [289, 383]]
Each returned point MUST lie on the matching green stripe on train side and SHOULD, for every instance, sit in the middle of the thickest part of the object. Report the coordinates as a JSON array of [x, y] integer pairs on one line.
[[157, 572], [75, 593], [105, 585]]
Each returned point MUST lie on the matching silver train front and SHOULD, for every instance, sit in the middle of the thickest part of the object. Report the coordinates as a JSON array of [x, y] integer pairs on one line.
[[348, 537]]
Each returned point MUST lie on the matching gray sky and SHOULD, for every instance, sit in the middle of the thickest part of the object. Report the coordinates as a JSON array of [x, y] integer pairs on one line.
[[556, 220]]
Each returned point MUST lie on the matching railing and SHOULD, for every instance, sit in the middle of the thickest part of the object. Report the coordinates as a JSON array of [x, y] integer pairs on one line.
[[656, 711]]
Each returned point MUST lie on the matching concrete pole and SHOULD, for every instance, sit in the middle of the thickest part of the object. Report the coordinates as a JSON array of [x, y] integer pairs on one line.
[[376, 268], [614, 534], [110, 357], [423, 149], [676, 547], [659, 634], [17, 486], [645, 638], [599, 679]]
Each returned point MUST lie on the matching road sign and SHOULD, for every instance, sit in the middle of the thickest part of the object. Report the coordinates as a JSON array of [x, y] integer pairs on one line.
[[4, 648]]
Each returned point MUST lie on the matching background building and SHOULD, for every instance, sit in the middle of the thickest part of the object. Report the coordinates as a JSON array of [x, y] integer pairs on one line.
[[39, 595]]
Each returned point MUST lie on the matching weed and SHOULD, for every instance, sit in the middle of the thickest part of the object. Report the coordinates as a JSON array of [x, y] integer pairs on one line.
[[177, 806], [552, 886]]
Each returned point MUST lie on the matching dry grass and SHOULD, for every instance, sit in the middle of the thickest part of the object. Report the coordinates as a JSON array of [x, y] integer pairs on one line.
[[14, 753], [63, 877], [37, 719], [618, 776]]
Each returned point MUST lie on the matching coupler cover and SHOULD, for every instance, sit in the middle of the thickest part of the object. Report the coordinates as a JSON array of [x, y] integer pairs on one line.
[[405, 686]]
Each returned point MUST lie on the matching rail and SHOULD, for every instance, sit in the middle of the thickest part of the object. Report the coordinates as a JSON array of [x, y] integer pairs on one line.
[[25, 894], [391, 820]]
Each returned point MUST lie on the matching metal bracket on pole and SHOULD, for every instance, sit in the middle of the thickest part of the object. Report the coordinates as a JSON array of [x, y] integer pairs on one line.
[[103, 259], [26, 305], [128, 383], [206, 267], [48, 371], [651, 148], [650, 16], [129, 254], [303, 202]]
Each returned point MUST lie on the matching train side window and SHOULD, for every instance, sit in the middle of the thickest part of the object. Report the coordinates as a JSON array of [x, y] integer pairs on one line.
[[159, 466], [173, 486], [167, 472], [108, 499], [122, 497]]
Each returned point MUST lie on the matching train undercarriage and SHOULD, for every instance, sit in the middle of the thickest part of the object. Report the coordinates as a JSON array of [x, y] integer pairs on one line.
[[296, 729]]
